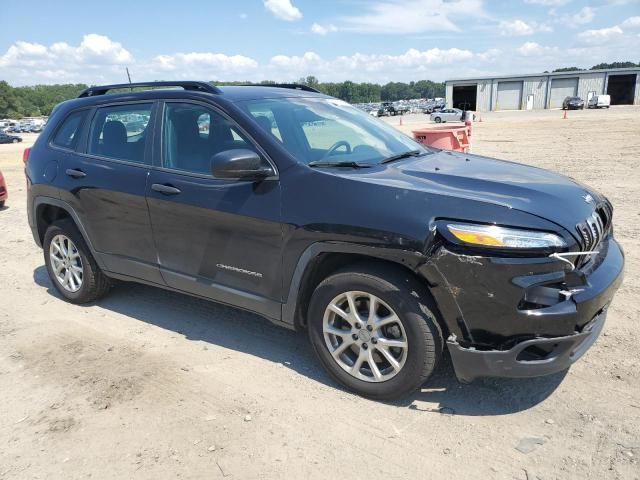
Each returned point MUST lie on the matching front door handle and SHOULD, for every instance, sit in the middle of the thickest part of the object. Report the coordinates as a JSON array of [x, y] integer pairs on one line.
[[75, 173], [166, 189]]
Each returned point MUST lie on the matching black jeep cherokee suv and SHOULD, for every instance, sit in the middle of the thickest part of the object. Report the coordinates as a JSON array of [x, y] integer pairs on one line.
[[303, 209]]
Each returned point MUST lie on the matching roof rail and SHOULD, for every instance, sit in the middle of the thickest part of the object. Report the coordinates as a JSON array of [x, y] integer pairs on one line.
[[292, 86], [187, 85]]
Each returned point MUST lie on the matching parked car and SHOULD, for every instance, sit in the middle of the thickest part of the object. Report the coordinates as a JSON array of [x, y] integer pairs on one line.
[[6, 138], [572, 103], [4, 194], [311, 213], [447, 115], [388, 108], [599, 101], [433, 107]]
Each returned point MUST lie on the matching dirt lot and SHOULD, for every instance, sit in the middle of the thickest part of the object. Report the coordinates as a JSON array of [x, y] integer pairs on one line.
[[150, 384]]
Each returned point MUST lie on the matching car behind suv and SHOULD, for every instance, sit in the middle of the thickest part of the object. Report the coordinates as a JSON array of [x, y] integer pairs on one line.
[[447, 115], [301, 208], [6, 138], [572, 103]]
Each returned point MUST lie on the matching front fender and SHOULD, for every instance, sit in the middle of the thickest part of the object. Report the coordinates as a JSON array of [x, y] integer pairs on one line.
[[417, 262]]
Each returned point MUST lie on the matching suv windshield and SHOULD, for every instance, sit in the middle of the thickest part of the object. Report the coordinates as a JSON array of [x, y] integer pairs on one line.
[[330, 130]]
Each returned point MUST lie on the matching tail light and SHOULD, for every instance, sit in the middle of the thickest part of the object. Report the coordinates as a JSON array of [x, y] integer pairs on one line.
[[25, 155]]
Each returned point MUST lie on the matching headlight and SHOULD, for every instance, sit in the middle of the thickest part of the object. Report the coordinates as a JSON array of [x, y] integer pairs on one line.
[[501, 237]]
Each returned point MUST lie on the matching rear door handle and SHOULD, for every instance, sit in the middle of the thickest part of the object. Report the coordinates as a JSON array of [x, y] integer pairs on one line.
[[75, 173], [166, 189]]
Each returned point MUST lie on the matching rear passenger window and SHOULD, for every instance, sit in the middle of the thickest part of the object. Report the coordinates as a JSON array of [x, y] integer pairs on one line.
[[120, 132], [193, 134], [67, 134]]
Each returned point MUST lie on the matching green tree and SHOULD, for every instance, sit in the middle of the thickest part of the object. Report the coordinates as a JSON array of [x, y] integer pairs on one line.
[[9, 101], [604, 66], [568, 69]]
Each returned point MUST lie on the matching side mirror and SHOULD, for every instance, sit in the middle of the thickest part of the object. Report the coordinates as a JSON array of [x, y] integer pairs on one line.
[[240, 164]]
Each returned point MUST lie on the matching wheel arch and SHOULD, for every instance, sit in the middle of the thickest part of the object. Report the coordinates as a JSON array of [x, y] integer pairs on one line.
[[322, 259], [48, 210]]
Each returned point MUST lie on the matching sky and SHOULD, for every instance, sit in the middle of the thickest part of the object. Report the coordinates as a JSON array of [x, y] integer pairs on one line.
[[62, 41]]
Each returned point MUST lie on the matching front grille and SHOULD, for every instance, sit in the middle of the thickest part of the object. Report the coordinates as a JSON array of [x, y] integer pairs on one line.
[[594, 229]]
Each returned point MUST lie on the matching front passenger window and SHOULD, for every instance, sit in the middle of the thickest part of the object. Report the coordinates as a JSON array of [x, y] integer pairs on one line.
[[193, 134], [120, 132]]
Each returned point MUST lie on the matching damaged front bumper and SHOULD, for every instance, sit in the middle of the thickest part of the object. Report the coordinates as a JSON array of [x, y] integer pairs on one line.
[[530, 358], [518, 317]]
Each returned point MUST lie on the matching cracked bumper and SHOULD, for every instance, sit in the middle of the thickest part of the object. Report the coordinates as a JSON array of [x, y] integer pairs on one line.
[[558, 353], [546, 351]]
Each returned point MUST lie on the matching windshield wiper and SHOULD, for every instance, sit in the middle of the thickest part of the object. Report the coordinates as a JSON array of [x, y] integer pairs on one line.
[[343, 163], [400, 156]]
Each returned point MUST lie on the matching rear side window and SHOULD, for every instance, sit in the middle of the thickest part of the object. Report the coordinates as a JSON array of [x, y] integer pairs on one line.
[[120, 132], [68, 133]]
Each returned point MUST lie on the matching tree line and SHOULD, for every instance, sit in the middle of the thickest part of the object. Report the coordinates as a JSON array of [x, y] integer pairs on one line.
[[18, 102], [33, 101], [600, 66], [353, 92]]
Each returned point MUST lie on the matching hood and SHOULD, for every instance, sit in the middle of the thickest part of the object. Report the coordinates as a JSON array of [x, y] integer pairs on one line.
[[540, 192]]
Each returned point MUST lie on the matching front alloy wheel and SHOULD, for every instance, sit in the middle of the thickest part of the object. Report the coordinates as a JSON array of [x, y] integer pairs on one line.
[[372, 328], [66, 263], [365, 336]]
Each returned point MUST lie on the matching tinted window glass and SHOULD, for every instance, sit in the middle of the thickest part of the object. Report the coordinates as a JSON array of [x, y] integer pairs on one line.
[[120, 132], [67, 134], [193, 134], [265, 118], [317, 128]]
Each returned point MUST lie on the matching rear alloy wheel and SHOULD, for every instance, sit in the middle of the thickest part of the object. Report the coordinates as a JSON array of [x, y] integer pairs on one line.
[[373, 329], [72, 269], [66, 263], [15, 140]]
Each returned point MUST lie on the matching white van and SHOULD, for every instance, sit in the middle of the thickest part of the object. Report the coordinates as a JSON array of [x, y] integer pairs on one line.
[[599, 101]]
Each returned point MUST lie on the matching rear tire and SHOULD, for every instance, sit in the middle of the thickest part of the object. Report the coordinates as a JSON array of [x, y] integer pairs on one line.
[[75, 275], [15, 140], [398, 370]]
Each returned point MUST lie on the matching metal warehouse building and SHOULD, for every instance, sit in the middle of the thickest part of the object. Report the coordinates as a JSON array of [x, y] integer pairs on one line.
[[543, 90]]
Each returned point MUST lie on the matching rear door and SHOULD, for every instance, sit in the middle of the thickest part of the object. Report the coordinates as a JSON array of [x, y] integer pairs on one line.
[[220, 239], [105, 180]]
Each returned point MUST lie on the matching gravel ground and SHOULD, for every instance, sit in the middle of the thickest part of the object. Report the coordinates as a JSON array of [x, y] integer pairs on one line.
[[150, 384]]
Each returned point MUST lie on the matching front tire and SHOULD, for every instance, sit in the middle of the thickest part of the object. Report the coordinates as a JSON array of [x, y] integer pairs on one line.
[[374, 331], [437, 120], [71, 267]]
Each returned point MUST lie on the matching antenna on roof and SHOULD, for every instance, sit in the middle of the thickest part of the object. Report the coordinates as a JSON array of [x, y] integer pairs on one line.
[[128, 76]]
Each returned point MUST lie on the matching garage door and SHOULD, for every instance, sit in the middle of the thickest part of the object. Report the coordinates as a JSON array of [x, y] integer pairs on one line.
[[560, 89], [509, 96]]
